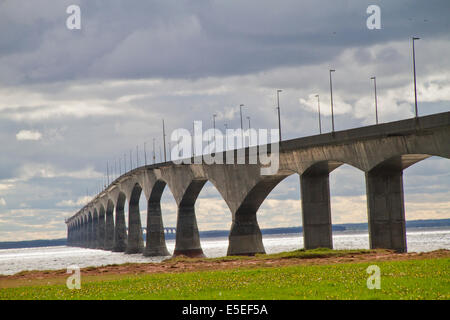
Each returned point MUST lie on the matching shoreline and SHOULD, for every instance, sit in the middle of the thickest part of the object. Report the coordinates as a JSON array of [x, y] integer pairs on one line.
[[184, 264]]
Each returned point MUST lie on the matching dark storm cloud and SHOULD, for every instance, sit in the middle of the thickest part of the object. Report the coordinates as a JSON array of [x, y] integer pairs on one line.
[[145, 39]]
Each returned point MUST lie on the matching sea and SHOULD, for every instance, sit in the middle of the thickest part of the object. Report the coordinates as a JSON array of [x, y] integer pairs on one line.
[[61, 257]]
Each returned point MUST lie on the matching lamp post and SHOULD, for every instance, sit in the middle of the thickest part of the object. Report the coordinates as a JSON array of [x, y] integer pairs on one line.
[[242, 126], [279, 117], [249, 132], [131, 160], [154, 154], [145, 154], [318, 109], [107, 171], [331, 91], [376, 102], [226, 136], [164, 141], [214, 127], [137, 156], [414, 69]]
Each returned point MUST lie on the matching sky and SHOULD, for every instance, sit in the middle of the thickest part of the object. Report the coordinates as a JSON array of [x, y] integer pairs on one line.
[[73, 99]]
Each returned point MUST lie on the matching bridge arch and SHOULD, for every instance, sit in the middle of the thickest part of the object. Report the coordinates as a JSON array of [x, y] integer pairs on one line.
[[155, 238], [120, 229], [187, 236], [109, 225], [101, 226], [95, 229], [90, 226], [385, 199], [135, 239], [245, 236], [85, 233]]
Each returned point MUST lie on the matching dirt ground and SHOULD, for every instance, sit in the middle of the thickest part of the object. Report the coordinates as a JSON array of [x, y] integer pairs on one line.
[[186, 265]]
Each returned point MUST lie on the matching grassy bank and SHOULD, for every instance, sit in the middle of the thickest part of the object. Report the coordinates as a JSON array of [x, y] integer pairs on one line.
[[409, 279]]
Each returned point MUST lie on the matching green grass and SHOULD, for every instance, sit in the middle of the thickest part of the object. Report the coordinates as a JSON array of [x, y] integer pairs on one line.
[[412, 279], [298, 254]]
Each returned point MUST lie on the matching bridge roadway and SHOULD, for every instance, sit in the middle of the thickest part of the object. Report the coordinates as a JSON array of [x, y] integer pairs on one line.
[[381, 151]]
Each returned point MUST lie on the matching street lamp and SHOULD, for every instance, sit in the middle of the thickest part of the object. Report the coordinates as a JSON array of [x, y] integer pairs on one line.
[[154, 153], [414, 68], [331, 91], [279, 118], [376, 102], [137, 156], [145, 154], [214, 127], [318, 107], [242, 126], [249, 132], [164, 141], [226, 136]]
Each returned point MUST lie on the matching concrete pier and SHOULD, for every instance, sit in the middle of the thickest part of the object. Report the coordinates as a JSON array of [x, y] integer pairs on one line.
[[187, 237], [120, 231], [245, 237], [316, 210], [155, 241], [101, 229], [91, 231], [386, 210], [135, 240], [109, 227]]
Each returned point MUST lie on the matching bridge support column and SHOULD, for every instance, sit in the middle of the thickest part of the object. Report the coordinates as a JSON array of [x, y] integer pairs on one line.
[[245, 236], [135, 240], [386, 209], [101, 230], [86, 235], [156, 241], [316, 210], [95, 232], [187, 237], [120, 231], [109, 230], [77, 235], [69, 235], [81, 239], [91, 234]]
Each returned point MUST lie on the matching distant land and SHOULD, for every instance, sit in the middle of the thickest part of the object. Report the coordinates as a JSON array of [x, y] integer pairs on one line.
[[430, 223]]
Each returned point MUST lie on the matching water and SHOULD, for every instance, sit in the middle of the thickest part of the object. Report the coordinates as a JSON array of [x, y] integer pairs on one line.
[[49, 258]]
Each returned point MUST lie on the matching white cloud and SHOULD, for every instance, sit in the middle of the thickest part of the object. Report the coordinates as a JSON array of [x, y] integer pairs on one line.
[[28, 135], [77, 203], [2, 202], [32, 170]]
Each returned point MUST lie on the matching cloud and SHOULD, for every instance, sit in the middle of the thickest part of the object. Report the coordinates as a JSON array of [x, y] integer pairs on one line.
[[80, 202], [2, 202], [41, 170], [28, 135]]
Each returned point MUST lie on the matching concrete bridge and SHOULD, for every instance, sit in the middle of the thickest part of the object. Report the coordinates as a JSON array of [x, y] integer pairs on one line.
[[381, 151]]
